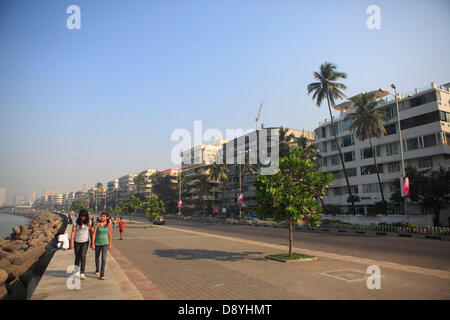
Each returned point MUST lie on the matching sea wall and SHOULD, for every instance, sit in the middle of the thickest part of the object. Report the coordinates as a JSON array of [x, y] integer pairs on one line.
[[25, 254]]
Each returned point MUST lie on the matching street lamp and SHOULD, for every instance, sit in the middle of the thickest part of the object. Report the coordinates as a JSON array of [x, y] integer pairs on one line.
[[402, 191]]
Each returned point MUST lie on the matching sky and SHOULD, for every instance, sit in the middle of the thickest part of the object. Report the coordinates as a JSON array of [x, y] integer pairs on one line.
[[90, 105]]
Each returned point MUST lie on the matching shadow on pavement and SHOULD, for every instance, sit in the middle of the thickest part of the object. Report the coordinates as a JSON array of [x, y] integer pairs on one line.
[[192, 254]]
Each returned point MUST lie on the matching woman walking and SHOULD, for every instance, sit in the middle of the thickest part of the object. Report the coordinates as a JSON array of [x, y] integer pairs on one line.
[[101, 243], [80, 240]]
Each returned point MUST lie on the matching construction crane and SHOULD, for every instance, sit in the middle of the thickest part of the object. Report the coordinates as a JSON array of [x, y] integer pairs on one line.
[[257, 117]]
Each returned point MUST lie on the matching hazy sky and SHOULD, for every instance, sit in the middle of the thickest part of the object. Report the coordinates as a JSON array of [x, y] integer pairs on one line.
[[89, 105]]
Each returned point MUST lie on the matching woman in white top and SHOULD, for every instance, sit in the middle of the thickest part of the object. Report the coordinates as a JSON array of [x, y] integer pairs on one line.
[[80, 240]]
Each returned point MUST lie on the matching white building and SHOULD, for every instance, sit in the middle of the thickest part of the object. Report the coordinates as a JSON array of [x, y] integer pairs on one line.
[[425, 123]]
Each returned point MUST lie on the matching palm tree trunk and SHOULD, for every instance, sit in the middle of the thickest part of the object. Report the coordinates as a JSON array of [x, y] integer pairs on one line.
[[291, 237], [378, 174], [342, 157]]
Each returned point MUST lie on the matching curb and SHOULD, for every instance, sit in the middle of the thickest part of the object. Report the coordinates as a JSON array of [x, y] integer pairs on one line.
[[290, 261]]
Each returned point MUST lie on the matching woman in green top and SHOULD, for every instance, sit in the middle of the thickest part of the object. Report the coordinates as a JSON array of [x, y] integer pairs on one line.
[[101, 243]]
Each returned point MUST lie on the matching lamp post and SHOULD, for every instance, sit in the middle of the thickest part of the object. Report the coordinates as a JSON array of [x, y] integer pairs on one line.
[[402, 191]]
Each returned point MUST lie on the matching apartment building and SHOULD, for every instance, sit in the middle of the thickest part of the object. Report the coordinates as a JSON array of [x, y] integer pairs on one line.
[[196, 163], [147, 192], [240, 181], [425, 128], [112, 193], [126, 185]]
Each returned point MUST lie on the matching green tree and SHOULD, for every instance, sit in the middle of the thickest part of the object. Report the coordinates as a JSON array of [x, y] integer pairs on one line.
[[429, 188], [292, 193], [153, 208], [204, 187], [366, 122], [78, 204], [166, 189], [130, 204], [327, 88]]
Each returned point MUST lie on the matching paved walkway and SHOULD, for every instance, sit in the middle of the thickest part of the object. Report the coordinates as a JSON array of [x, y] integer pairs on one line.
[[186, 264], [167, 262], [117, 286]]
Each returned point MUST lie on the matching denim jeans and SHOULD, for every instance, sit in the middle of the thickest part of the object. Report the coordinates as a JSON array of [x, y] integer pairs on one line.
[[80, 249], [103, 250]]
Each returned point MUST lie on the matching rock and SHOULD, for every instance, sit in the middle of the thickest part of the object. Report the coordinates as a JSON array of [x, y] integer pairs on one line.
[[5, 264], [24, 229], [17, 259], [16, 230], [23, 236], [3, 276]]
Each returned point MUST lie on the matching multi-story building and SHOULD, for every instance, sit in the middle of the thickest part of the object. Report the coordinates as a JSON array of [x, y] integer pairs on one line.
[[243, 182], [425, 128], [147, 192], [126, 185], [196, 163], [112, 193]]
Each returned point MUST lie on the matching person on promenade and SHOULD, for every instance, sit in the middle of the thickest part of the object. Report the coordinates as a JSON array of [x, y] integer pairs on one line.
[[114, 222], [101, 243], [121, 227], [80, 240]]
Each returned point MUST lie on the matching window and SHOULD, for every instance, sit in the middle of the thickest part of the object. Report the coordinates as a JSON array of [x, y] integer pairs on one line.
[[367, 153], [392, 149], [322, 161], [335, 160], [324, 132], [412, 144], [419, 120], [425, 163], [334, 146], [444, 116], [347, 140], [351, 172], [390, 129], [366, 170], [429, 141], [349, 156], [393, 167], [417, 101], [390, 112], [345, 125], [371, 188]]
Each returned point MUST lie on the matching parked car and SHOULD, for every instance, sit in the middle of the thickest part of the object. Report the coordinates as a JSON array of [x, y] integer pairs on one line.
[[160, 220], [251, 217]]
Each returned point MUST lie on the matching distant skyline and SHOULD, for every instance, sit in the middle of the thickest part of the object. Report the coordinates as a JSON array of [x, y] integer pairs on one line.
[[89, 105]]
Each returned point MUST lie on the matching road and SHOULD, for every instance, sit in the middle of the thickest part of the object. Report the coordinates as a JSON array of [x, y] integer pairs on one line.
[[408, 251]]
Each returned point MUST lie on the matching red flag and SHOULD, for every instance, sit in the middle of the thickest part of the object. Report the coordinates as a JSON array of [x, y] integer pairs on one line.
[[241, 198], [406, 186], [179, 204]]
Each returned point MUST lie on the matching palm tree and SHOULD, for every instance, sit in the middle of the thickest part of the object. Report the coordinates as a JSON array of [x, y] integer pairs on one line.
[[285, 141], [204, 188], [219, 174], [367, 123], [327, 88], [309, 150]]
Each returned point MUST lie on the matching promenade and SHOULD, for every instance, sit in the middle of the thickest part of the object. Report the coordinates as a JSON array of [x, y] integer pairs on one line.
[[179, 261]]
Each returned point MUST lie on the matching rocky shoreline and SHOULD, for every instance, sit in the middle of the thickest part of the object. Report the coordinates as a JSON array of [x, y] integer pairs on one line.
[[25, 254]]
